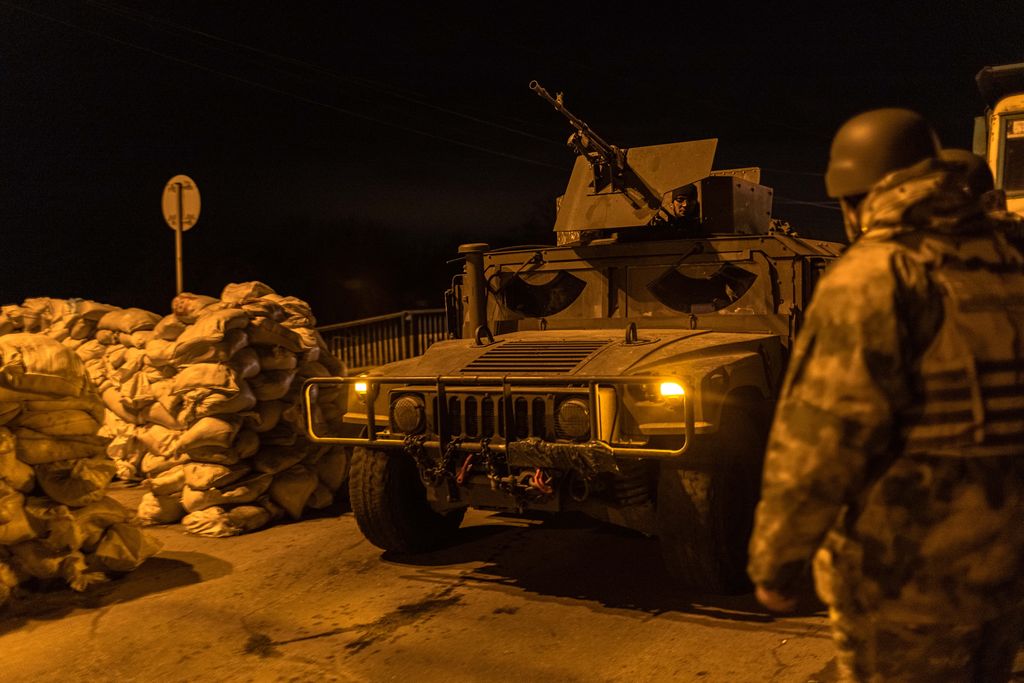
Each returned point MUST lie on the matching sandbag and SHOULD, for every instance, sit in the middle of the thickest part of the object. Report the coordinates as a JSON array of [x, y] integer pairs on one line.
[[234, 340], [264, 416], [243, 491], [265, 308], [54, 523], [272, 385], [8, 410], [276, 459], [14, 523], [128, 320], [91, 350], [36, 448], [14, 472], [269, 333], [202, 402], [292, 488], [218, 432], [321, 498], [76, 482], [210, 327], [153, 464], [159, 509], [169, 328], [124, 547], [216, 522], [95, 518], [161, 352], [240, 292], [207, 375], [168, 482], [202, 475], [82, 329], [245, 445], [59, 422], [276, 358], [245, 363], [115, 403], [156, 413], [40, 561], [36, 364], [299, 312], [281, 435], [159, 440], [332, 466], [135, 340], [87, 402]]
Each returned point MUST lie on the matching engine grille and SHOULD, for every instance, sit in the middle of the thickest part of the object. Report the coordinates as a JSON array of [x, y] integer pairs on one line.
[[527, 357], [482, 416]]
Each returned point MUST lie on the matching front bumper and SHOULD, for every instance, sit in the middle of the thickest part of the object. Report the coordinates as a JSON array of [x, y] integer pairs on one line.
[[532, 452]]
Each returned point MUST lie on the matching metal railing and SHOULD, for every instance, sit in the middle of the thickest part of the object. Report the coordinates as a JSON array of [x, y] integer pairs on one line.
[[371, 342]]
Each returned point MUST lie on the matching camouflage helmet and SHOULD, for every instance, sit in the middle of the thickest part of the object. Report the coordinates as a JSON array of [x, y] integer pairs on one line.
[[976, 171], [872, 145]]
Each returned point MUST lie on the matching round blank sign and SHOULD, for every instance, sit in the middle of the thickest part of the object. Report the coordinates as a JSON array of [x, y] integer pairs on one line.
[[181, 196]]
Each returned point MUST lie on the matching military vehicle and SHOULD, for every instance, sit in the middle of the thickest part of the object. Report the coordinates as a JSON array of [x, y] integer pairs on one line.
[[999, 134], [627, 372]]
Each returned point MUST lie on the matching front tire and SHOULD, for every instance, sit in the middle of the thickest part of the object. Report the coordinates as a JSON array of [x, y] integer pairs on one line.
[[390, 504], [706, 512]]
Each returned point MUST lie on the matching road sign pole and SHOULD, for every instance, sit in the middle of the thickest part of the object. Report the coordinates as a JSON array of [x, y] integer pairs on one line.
[[179, 270]]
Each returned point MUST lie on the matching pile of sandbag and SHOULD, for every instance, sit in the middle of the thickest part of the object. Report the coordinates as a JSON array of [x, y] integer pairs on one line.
[[56, 521], [230, 423], [204, 405]]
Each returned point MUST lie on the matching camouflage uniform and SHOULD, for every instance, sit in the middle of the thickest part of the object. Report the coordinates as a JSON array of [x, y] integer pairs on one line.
[[896, 459]]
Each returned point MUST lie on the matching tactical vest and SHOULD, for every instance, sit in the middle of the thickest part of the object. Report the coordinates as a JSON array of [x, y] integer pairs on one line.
[[972, 373]]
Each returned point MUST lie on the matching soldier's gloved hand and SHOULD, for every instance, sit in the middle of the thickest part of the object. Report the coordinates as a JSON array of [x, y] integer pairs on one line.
[[776, 601]]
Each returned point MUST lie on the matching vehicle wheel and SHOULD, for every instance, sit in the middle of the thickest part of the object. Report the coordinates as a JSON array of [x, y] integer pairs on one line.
[[390, 504], [706, 511]]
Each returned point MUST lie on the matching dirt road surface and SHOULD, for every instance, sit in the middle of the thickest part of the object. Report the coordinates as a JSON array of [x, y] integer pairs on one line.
[[513, 600]]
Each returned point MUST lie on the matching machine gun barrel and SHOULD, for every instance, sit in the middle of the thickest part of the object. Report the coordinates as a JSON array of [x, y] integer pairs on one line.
[[585, 140]]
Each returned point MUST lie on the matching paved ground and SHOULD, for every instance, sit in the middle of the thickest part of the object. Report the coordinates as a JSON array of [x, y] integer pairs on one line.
[[514, 600]]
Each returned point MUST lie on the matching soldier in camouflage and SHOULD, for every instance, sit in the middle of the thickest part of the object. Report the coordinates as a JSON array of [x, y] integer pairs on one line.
[[896, 459]]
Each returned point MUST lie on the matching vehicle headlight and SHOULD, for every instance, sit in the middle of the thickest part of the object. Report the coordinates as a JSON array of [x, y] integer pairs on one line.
[[671, 389], [407, 414], [572, 420]]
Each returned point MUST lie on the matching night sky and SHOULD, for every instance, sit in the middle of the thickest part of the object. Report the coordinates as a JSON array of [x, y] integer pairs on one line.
[[343, 150]]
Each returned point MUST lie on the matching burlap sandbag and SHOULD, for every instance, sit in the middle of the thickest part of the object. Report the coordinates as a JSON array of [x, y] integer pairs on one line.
[[160, 440], [88, 402], [159, 509], [14, 472], [276, 358], [217, 432], [76, 482], [274, 459], [156, 413], [292, 488], [153, 464], [245, 363], [269, 333], [299, 312], [128, 320], [9, 410], [95, 518], [15, 526], [36, 364], [160, 352], [321, 498], [123, 548], [281, 435], [115, 403], [54, 523], [136, 340], [210, 328], [244, 491], [272, 385], [264, 416], [168, 482], [234, 340], [203, 402], [203, 475], [245, 445], [59, 422], [169, 328], [241, 292], [216, 522], [36, 448], [265, 308], [91, 350], [332, 466]]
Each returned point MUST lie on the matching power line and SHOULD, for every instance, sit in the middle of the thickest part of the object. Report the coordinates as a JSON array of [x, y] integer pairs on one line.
[[301, 98], [150, 20]]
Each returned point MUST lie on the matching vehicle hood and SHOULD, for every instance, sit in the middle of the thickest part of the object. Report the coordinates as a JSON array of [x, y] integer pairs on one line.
[[575, 352]]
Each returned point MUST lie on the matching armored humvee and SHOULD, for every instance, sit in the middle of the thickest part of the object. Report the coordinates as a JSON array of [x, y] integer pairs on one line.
[[628, 372]]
